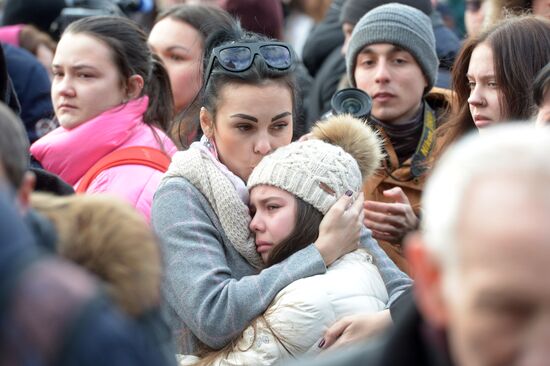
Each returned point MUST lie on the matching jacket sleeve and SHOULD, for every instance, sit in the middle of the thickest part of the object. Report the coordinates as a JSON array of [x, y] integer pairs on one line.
[[395, 280], [292, 326], [200, 285]]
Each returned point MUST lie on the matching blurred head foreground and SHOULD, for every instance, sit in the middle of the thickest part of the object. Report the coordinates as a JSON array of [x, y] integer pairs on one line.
[[482, 260]]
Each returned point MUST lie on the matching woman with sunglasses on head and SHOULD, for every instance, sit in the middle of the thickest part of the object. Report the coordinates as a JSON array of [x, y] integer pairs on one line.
[[493, 76], [215, 284], [290, 191], [110, 94], [178, 38]]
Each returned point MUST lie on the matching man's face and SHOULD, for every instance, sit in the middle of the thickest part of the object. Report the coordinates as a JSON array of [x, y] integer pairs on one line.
[[498, 311], [393, 79]]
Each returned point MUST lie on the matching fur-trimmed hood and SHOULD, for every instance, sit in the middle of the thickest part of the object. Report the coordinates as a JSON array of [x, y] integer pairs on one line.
[[112, 241]]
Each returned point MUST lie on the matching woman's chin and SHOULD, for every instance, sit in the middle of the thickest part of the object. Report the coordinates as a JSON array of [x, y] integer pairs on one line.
[[69, 124]]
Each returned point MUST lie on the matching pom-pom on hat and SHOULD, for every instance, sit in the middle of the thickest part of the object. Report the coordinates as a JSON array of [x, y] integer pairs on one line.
[[342, 152]]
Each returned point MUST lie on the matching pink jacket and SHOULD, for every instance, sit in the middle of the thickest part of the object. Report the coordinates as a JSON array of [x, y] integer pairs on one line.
[[10, 34], [71, 153]]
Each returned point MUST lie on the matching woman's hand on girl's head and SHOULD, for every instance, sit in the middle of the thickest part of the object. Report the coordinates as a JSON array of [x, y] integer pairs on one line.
[[340, 229]]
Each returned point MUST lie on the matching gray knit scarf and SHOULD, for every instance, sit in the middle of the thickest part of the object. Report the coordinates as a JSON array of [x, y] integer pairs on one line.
[[198, 168]]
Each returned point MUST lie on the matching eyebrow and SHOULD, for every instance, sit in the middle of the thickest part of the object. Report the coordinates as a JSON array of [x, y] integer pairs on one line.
[[482, 77], [394, 49], [263, 201], [171, 48], [77, 67], [244, 116], [254, 119], [281, 115]]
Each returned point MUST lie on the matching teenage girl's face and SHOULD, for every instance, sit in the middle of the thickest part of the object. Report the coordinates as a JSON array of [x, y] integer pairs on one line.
[[179, 45], [273, 213], [86, 81], [484, 100], [251, 121]]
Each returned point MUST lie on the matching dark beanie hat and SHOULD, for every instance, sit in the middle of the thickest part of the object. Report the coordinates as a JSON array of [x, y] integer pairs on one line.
[[353, 10], [259, 16], [40, 13]]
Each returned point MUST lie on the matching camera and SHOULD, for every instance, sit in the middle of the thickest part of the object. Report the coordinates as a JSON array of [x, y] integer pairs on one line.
[[77, 9], [351, 101]]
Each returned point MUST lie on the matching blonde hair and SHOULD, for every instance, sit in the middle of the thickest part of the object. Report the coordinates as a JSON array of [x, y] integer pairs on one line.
[[111, 240]]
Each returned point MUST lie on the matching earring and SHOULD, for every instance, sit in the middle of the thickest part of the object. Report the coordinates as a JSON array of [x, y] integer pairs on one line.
[[211, 146], [207, 143]]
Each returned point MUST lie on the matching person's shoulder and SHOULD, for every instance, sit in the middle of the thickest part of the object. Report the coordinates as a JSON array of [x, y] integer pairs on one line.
[[333, 293], [179, 185], [441, 101]]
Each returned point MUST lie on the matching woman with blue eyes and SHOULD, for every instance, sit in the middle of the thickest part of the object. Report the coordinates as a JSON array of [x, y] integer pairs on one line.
[[494, 73], [109, 93], [215, 281]]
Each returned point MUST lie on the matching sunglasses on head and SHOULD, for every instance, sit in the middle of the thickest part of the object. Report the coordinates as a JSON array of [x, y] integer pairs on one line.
[[473, 5], [238, 57]]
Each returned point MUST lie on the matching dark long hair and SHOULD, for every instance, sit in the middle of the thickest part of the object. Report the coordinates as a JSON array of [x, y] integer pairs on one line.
[[132, 56], [305, 232], [257, 74], [521, 47]]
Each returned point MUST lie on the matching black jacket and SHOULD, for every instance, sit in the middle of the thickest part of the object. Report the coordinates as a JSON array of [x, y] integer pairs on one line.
[[323, 39]]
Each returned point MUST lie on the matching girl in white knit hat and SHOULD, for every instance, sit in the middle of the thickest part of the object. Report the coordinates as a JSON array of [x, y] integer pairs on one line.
[[290, 192]]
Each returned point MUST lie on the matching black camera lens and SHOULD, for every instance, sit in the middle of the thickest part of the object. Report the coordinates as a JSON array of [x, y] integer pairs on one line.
[[351, 101]]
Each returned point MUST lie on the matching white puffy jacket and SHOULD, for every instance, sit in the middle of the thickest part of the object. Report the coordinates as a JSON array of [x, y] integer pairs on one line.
[[298, 317]]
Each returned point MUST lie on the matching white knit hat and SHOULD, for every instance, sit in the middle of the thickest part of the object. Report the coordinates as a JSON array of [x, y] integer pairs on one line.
[[342, 152]]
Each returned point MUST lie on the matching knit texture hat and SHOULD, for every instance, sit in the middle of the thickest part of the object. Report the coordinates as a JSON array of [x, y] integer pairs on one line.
[[342, 152], [400, 25], [353, 10]]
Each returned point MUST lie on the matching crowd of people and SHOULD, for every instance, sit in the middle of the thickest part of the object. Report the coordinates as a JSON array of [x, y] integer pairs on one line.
[[183, 182]]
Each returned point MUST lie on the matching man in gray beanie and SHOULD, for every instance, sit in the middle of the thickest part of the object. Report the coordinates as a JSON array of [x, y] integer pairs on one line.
[[391, 56], [446, 42]]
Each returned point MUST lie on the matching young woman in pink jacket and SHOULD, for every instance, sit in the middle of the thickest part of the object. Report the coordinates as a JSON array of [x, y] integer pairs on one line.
[[109, 93]]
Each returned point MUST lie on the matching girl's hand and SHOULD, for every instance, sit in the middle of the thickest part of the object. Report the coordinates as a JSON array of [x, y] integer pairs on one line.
[[340, 229]]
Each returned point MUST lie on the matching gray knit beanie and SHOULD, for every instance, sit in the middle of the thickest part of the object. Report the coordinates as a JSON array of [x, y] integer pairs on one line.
[[400, 25], [342, 152], [353, 10]]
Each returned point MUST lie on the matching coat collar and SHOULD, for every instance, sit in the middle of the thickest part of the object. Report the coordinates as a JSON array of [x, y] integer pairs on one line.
[[70, 153]]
